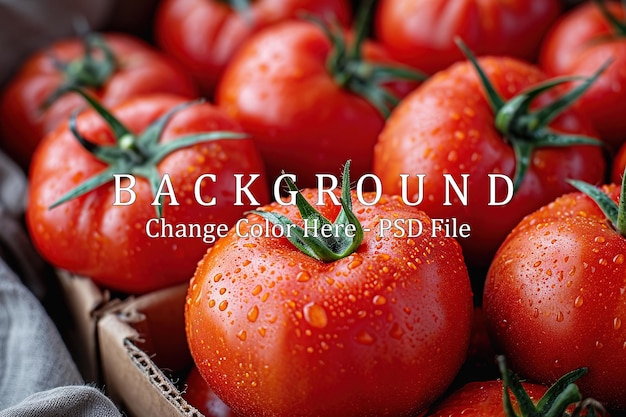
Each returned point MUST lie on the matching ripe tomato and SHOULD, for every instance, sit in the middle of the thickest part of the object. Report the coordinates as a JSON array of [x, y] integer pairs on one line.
[[421, 32], [203, 34], [449, 125], [577, 44], [117, 67], [555, 296], [381, 331], [303, 119], [201, 396], [113, 243], [619, 164]]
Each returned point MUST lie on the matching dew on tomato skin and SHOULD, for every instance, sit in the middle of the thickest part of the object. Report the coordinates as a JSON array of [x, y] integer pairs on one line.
[[217, 277], [253, 314], [242, 335], [578, 302], [365, 338], [599, 345], [617, 323], [379, 300], [396, 331], [223, 305], [315, 315], [303, 276]]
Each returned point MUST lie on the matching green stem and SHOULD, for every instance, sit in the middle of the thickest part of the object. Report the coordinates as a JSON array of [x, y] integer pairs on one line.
[[619, 26], [133, 154], [320, 238], [614, 212], [525, 129]]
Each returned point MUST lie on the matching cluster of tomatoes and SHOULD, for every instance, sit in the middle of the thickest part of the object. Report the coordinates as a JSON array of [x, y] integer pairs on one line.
[[366, 322]]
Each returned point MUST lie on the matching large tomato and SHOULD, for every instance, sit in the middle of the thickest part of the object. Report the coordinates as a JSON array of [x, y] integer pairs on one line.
[[451, 125], [301, 97], [555, 295], [382, 330], [113, 66], [91, 236], [203, 34], [421, 32], [198, 393], [578, 44]]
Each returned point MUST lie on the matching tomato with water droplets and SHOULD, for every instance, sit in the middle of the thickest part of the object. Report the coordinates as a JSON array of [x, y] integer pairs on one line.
[[380, 331], [555, 296]]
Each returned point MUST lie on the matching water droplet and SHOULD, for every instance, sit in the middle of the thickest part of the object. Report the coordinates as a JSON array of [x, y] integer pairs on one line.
[[396, 331], [578, 301], [559, 316], [315, 315], [222, 291], [557, 364], [211, 303], [535, 313], [257, 290], [603, 262], [599, 344], [262, 331], [253, 314], [365, 338], [379, 300], [599, 239], [217, 277], [617, 323], [453, 156], [618, 259], [355, 263], [242, 335], [383, 257], [303, 276], [536, 264], [223, 305]]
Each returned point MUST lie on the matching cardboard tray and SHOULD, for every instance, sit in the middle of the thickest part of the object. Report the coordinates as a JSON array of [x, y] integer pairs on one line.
[[143, 353]]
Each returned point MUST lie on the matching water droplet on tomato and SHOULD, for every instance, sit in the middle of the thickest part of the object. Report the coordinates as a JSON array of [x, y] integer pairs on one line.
[[303, 276], [365, 338], [355, 263], [599, 344], [262, 331], [253, 314], [222, 291], [315, 315], [617, 323], [396, 331], [536, 264], [211, 303], [535, 313], [257, 290], [379, 300], [217, 277], [559, 316], [578, 302], [223, 305], [242, 335]]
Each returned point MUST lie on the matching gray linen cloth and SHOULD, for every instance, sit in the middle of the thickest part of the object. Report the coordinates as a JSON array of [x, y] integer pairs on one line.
[[37, 374]]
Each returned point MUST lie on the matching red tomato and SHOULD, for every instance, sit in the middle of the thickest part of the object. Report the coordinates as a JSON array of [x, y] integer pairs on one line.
[[619, 164], [447, 126], [280, 89], [201, 396], [381, 331], [481, 399], [112, 241], [203, 34], [421, 32], [555, 297], [578, 44], [137, 69]]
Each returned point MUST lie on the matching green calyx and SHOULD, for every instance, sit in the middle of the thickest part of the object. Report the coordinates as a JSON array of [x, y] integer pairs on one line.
[[554, 402], [323, 240], [349, 70], [618, 26], [526, 129], [134, 154], [92, 70], [615, 213]]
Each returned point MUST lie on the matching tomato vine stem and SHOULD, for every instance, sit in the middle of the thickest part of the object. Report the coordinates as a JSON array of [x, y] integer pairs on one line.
[[525, 129], [133, 154], [346, 233]]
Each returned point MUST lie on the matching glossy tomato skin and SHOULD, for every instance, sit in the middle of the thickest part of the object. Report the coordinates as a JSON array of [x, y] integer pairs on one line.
[[201, 396], [279, 89], [481, 399], [619, 164], [421, 33], [447, 126], [141, 69], [554, 297], [203, 34], [578, 44], [115, 249], [380, 332]]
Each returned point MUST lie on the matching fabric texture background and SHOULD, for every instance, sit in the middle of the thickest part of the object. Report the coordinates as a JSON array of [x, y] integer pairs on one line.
[[37, 374]]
